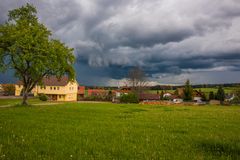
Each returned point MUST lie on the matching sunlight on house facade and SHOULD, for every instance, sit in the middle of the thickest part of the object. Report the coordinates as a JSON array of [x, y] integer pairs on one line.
[[56, 89]]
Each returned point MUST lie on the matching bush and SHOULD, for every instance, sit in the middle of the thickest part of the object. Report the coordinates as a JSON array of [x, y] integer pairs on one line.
[[43, 97], [236, 100], [97, 98], [129, 98], [8, 89]]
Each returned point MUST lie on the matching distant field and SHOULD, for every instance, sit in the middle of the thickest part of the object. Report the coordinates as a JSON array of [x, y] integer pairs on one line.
[[226, 89], [205, 90], [119, 131]]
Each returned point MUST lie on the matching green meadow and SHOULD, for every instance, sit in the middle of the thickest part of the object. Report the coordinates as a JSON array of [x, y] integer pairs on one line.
[[118, 131]]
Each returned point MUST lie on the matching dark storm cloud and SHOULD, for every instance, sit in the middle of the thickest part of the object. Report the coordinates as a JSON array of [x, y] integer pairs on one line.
[[167, 38]]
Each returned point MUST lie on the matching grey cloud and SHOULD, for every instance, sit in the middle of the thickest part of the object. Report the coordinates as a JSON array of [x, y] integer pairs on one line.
[[166, 38]]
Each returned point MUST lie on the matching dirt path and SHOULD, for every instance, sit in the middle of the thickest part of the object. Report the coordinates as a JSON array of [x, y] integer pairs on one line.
[[37, 104], [6, 106]]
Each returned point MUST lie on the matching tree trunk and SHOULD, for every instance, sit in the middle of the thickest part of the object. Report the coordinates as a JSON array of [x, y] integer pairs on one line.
[[25, 97]]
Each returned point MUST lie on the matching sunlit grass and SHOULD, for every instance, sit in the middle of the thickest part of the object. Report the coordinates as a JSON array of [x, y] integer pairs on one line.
[[18, 101], [119, 131]]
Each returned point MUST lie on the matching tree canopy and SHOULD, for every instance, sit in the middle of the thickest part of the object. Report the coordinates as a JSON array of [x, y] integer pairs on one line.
[[137, 80], [220, 94], [26, 47], [188, 91]]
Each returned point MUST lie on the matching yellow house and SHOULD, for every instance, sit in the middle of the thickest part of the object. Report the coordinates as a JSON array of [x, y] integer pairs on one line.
[[56, 89]]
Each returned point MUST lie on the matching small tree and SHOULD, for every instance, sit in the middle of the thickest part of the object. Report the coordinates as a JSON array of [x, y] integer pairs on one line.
[[188, 91], [204, 98], [161, 95], [26, 47], [220, 94], [211, 96]]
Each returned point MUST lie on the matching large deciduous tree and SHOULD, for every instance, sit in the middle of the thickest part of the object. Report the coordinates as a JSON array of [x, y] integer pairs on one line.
[[26, 47], [137, 80]]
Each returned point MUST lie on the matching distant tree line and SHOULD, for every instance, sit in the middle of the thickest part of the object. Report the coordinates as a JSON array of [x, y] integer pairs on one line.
[[170, 87]]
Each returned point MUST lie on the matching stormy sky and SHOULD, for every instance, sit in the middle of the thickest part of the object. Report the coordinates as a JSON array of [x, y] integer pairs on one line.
[[171, 40]]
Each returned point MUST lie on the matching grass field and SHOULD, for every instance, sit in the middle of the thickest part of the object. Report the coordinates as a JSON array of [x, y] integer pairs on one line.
[[119, 131]]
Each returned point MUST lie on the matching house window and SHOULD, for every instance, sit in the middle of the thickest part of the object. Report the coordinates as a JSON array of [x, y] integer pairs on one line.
[[54, 88], [44, 87], [60, 96], [51, 88]]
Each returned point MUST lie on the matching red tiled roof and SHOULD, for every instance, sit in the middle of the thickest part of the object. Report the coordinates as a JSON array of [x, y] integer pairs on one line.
[[81, 89], [147, 96], [53, 81], [96, 91]]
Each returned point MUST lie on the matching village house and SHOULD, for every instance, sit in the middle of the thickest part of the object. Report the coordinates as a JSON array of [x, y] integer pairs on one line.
[[121, 91], [176, 99], [167, 95], [149, 97], [81, 92], [56, 89], [229, 97]]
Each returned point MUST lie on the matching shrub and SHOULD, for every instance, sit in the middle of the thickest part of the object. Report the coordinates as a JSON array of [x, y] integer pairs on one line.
[[43, 97], [129, 98], [97, 98], [8, 89], [236, 100]]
